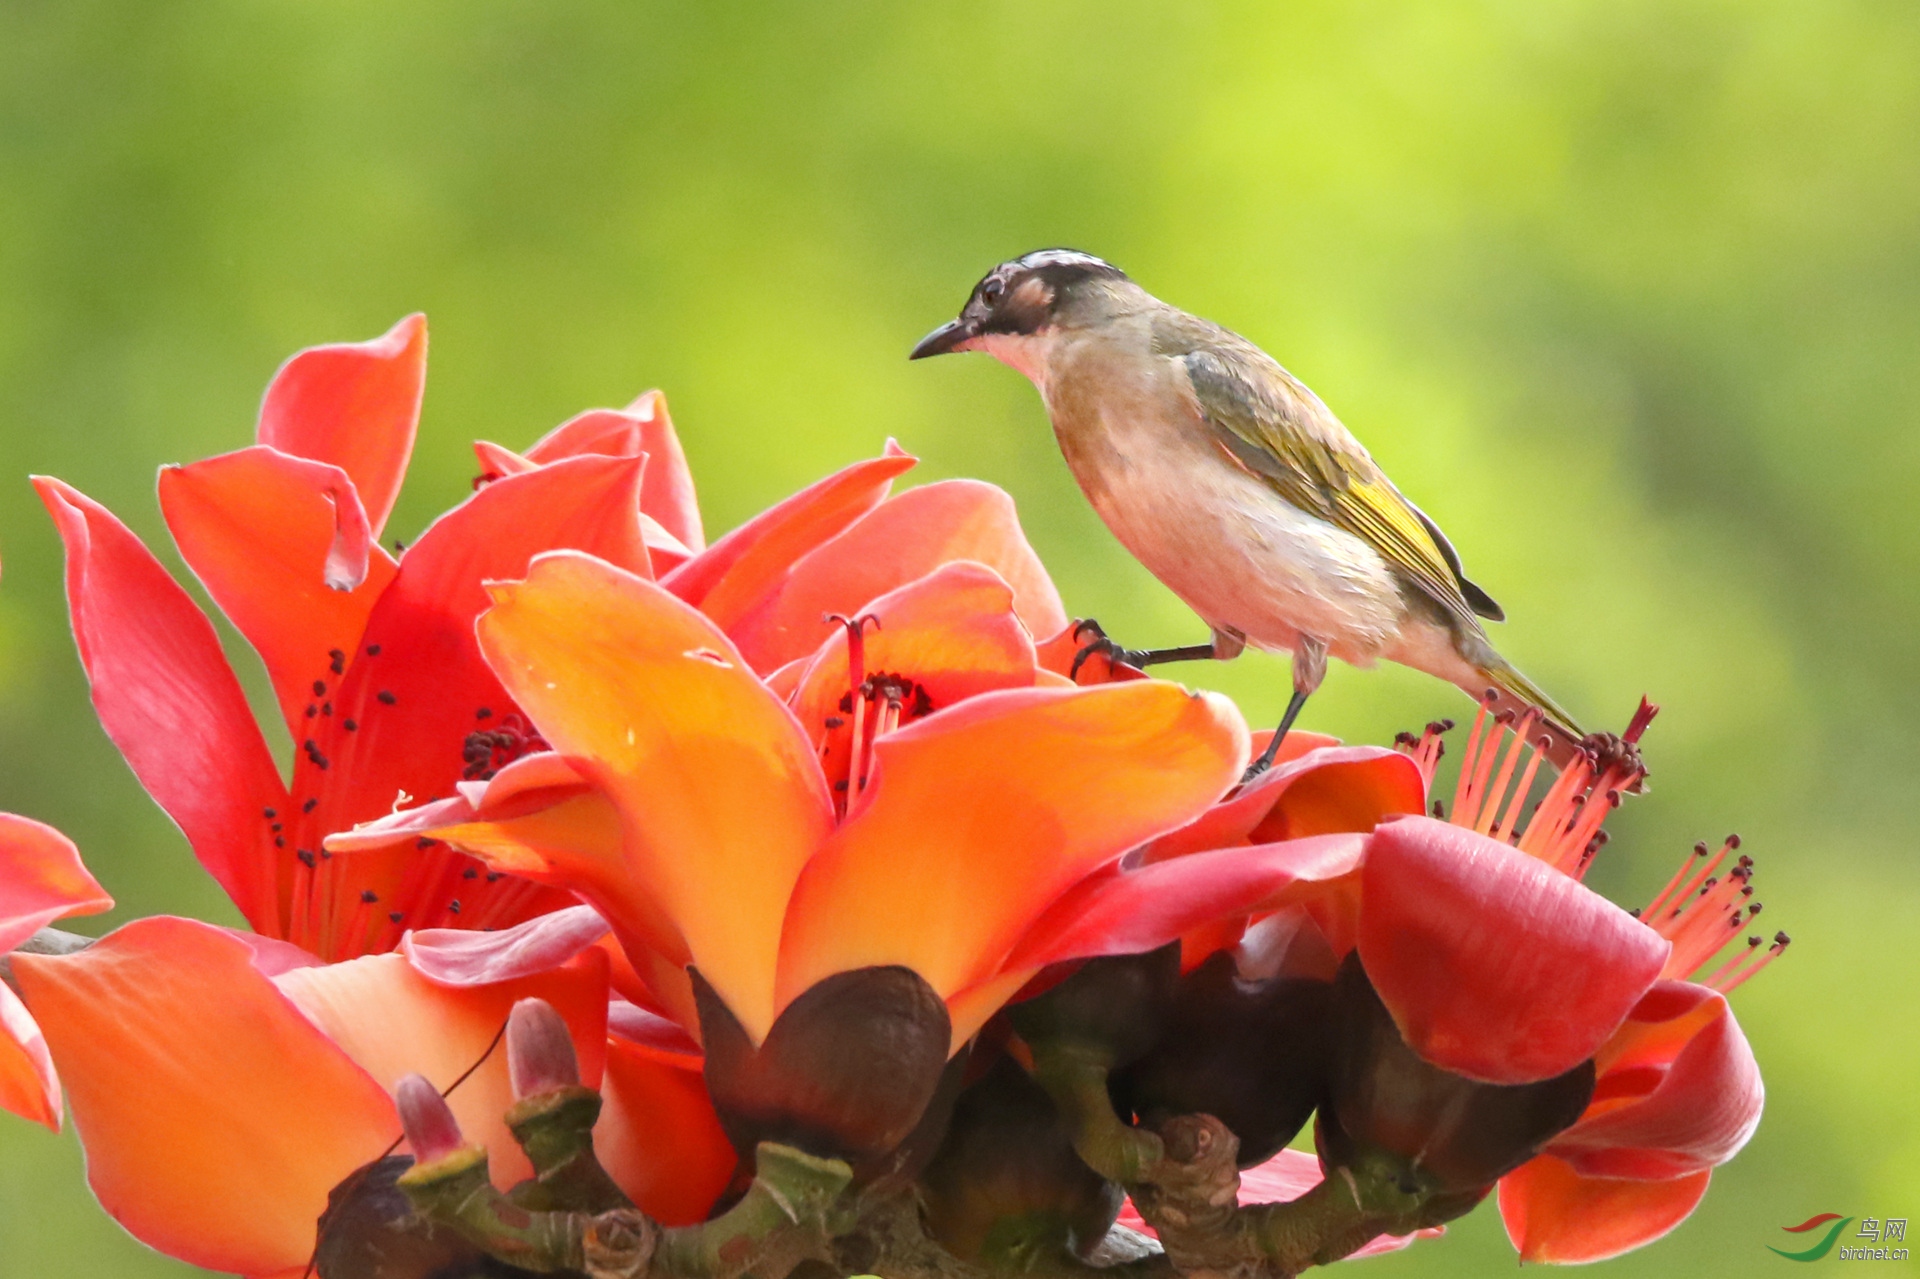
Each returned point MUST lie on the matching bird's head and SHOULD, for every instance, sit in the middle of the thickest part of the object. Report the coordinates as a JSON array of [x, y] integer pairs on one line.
[[1019, 304]]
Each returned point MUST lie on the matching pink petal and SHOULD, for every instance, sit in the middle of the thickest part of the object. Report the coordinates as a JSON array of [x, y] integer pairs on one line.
[[463, 957], [355, 405], [166, 696], [41, 880], [1495, 965]]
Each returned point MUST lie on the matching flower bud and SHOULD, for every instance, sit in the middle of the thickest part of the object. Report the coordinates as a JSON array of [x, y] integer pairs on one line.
[[431, 1129], [540, 1056]]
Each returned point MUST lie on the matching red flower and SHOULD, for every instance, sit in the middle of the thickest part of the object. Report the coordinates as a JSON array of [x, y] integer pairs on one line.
[[372, 659]]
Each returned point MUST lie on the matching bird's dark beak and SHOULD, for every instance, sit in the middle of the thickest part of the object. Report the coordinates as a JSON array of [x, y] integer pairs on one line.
[[947, 337]]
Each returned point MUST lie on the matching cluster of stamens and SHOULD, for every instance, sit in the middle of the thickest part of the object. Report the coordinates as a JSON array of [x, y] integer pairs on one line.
[[1699, 911], [488, 750], [876, 704], [335, 918]]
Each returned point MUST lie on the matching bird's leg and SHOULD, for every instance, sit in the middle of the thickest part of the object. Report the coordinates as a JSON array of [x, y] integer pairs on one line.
[[1309, 668], [1224, 646]]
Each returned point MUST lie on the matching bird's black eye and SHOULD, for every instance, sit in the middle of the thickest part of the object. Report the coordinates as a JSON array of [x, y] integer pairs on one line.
[[990, 292]]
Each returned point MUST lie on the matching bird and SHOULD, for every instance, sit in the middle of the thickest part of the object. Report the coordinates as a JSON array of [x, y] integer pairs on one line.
[[1237, 487]]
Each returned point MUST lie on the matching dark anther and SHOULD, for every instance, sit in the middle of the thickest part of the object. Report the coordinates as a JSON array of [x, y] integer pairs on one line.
[[319, 688], [454, 906], [399, 547], [1700, 849], [310, 805], [487, 751], [483, 479], [326, 708], [279, 841], [495, 876], [349, 725], [306, 856], [1781, 939], [373, 650], [834, 721], [471, 872], [320, 762], [386, 698], [1439, 810], [841, 785], [1733, 842], [275, 828], [368, 896], [271, 814], [395, 916], [337, 661], [312, 710], [484, 712], [309, 746], [423, 843]]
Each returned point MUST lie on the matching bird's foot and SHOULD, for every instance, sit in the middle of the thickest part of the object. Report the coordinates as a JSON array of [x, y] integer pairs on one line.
[[1138, 658], [1100, 644]]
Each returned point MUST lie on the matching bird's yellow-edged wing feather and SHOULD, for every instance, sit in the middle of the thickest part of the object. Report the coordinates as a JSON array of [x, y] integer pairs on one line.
[[1280, 431]]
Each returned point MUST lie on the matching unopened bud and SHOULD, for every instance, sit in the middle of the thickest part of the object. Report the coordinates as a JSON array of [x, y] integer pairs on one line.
[[540, 1056], [431, 1129]]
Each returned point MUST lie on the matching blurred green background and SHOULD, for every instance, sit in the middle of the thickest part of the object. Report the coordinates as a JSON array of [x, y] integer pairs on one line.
[[1626, 294]]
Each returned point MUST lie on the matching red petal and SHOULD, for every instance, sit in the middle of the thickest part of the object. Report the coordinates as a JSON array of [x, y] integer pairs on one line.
[[1703, 1108], [216, 1117], [1321, 792], [41, 880], [283, 547], [393, 1022], [898, 542], [999, 805], [414, 703], [1123, 912], [463, 957], [659, 1137], [354, 404], [1495, 965], [742, 569], [644, 426], [166, 696], [1554, 1214]]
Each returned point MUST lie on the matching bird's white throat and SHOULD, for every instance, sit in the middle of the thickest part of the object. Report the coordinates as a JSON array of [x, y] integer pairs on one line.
[[1024, 352]]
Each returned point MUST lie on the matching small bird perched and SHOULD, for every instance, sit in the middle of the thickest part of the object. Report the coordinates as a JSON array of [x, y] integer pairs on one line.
[[1234, 485]]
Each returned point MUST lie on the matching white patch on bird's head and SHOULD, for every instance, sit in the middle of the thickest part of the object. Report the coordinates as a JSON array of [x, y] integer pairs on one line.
[[1064, 257]]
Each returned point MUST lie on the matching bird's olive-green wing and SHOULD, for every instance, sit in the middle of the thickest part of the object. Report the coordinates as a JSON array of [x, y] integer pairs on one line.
[[1278, 430]]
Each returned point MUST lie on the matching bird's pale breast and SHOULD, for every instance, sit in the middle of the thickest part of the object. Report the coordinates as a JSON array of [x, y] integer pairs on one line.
[[1222, 540]]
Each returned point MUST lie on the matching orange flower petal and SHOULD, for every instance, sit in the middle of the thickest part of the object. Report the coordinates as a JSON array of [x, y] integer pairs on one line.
[[392, 1022], [355, 405], [659, 1137], [216, 1117], [281, 544], [980, 816], [29, 1085], [166, 696], [952, 632], [898, 542], [1554, 1214], [742, 569], [720, 799]]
